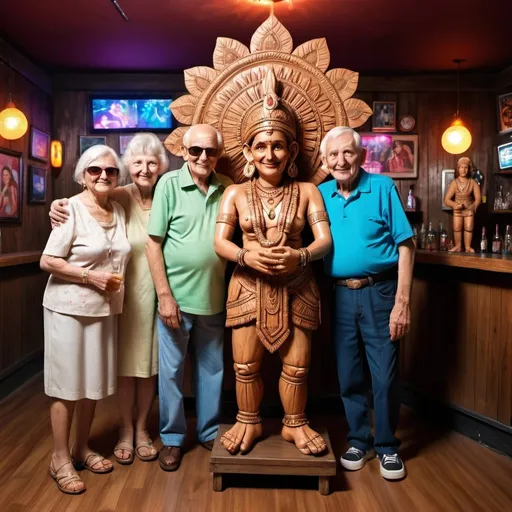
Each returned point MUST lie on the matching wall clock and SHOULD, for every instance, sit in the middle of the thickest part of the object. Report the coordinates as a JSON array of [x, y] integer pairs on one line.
[[406, 123]]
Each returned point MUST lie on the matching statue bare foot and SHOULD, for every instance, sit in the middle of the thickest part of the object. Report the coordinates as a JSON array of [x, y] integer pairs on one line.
[[305, 438], [241, 436], [456, 248], [470, 249]]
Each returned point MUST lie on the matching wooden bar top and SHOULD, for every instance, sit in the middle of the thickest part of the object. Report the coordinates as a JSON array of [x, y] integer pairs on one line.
[[487, 262], [19, 258]]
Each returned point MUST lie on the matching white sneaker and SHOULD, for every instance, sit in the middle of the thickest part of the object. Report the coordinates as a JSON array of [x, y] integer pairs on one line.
[[354, 459], [392, 467]]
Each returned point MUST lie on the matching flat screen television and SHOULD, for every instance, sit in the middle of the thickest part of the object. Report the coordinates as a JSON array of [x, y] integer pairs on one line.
[[505, 156], [130, 114]]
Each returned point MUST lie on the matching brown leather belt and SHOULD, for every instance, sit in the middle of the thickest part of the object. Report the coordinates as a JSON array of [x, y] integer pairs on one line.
[[361, 282]]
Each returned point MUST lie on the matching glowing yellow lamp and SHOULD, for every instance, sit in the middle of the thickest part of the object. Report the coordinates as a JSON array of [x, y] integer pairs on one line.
[[457, 138], [13, 123], [56, 154]]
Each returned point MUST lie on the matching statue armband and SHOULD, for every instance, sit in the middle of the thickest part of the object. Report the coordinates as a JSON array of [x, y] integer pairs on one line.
[[227, 218], [315, 217]]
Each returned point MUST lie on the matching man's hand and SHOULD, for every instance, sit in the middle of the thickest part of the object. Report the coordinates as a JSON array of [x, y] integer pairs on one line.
[[399, 320], [58, 212], [169, 312]]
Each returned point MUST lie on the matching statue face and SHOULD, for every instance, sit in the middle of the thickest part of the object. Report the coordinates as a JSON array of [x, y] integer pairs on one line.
[[343, 159], [202, 137], [270, 153], [463, 169]]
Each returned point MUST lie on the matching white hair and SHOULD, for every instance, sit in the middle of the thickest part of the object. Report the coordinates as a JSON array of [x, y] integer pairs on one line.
[[92, 154], [146, 144], [336, 132], [220, 139]]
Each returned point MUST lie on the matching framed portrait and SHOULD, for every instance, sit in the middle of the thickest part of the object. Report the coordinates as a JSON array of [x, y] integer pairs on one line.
[[505, 113], [447, 176], [378, 150], [39, 145], [124, 140], [384, 116], [36, 185], [11, 186], [87, 141]]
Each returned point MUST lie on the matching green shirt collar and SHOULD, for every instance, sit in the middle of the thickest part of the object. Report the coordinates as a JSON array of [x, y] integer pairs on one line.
[[187, 181]]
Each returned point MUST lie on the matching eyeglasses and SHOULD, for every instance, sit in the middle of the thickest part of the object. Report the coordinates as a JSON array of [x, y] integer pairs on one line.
[[96, 171], [198, 151]]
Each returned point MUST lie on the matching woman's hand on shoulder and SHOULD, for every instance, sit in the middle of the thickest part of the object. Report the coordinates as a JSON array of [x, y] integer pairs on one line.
[[59, 212]]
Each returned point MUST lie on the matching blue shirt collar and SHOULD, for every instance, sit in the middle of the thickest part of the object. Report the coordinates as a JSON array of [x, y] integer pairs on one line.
[[364, 184]]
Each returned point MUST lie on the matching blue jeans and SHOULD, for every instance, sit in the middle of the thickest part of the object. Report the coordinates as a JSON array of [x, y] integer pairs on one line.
[[366, 312], [206, 333]]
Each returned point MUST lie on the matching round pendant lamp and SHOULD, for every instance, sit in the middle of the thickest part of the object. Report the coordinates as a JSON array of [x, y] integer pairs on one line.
[[13, 122], [457, 138]]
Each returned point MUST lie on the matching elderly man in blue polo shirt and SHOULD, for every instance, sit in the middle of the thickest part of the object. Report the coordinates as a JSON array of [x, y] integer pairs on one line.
[[371, 263]]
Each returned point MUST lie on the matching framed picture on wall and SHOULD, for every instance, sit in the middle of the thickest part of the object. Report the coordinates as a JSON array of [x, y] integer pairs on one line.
[[124, 140], [402, 162], [378, 150], [39, 145], [505, 113], [447, 176], [11, 185], [87, 141], [384, 116], [36, 185]]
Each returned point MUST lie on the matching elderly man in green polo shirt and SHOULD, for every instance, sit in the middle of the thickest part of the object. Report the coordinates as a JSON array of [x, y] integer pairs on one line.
[[189, 281]]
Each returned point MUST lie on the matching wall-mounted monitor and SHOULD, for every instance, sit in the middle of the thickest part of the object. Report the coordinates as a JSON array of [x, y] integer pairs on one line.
[[133, 114], [505, 156]]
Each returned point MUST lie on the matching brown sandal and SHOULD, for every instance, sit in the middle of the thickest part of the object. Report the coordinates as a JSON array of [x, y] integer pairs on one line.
[[91, 460], [65, 477], [126, 446], [145, 444]]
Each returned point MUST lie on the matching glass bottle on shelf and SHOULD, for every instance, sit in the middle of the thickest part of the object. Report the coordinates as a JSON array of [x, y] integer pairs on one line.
[[431, 238], [507, 201], [498, 200], [483, 241], [411, 200], [443, 238], [496, 241], [507, 242], [423, 237], [415, 236]]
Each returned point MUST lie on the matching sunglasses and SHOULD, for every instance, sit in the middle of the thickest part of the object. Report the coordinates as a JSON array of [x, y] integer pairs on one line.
[[198, 151], [96, 171]]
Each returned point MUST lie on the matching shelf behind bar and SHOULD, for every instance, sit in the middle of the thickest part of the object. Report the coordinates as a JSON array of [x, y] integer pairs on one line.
[[487, 262], [19, 258]]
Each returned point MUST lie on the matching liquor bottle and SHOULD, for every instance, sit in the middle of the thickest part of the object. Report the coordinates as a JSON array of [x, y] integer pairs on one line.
[[496, 241], [415, 236], [507, 243], [411, 201], [483, 241], [443, 238], [431, 238], [423, 237]]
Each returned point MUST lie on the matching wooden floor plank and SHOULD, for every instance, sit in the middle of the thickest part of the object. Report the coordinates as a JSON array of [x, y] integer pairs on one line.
[[446, 472]]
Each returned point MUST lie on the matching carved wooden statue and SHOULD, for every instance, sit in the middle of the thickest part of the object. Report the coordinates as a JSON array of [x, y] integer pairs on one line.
[[464, 197], [273, 108]]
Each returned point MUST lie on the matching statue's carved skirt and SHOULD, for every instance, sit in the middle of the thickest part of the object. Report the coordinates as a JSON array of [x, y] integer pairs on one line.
[[273, 301]]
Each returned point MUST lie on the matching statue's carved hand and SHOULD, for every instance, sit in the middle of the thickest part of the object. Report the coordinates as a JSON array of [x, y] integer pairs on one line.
[[458, 206], [262, 261], [286, 258], [399, 320], [169, 312]]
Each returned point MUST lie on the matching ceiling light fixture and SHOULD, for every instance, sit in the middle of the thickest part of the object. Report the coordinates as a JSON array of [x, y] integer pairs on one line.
[[457, 138], [13, 122], [120, 10]]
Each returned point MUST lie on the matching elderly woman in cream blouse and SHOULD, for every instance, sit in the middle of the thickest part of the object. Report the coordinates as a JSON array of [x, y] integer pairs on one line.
[[86, 257], [146, 159]]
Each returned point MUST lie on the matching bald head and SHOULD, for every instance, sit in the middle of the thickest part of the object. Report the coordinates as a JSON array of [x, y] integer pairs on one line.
[[202, 130]]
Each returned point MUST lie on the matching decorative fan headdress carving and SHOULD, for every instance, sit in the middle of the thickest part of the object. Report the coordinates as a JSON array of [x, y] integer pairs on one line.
[[229, 95]]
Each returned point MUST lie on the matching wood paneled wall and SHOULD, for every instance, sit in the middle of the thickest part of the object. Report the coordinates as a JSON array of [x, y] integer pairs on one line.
[[21, 287], [459, 349]]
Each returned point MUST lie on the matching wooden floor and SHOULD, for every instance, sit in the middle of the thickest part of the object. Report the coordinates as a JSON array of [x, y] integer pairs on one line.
[[447, 472]]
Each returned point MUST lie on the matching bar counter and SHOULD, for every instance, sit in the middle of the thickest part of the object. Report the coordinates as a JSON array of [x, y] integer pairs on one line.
[[459, 349]]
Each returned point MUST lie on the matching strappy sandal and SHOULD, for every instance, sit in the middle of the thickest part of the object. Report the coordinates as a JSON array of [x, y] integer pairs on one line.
[[63, 478], [126, 446], [145, 444], [92, 459]]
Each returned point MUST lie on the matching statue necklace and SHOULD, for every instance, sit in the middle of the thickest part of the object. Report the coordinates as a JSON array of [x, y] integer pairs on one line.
[[290, 203], [463, 188], [271, 198]]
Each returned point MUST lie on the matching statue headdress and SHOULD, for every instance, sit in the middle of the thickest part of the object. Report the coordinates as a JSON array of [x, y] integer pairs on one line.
[[269, 83]]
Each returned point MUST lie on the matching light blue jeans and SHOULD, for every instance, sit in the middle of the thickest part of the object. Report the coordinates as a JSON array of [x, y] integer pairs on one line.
[[206, 332]]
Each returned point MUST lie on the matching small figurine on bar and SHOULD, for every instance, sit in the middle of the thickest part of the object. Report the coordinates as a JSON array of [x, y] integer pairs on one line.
[[464, 197]]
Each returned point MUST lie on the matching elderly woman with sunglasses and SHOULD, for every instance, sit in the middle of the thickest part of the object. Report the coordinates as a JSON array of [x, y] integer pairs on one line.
[[145, 159], [87, 258]]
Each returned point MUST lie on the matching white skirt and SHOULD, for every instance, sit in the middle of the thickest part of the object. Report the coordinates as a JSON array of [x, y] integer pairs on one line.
[[80, 356]]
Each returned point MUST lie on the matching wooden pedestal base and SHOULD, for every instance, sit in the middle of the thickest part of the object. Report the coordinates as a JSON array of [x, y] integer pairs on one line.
[[272, 456]]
